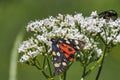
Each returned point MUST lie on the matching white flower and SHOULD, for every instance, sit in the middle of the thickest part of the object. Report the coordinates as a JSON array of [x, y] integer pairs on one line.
[[94, 14], [41, 38], [68, 21], [35, 26], [87, 29], [109, 39], [88, 46], [60, 17], [24, 58], [26, 45], [78, 17], [82, 78], [118, 38], [33, 53], [99, 52]]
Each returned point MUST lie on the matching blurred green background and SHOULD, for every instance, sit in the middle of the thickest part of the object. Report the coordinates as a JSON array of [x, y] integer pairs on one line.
[[15, 15]]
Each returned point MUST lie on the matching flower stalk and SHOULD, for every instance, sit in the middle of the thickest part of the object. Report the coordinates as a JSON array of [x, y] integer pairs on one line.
[[101, 64]]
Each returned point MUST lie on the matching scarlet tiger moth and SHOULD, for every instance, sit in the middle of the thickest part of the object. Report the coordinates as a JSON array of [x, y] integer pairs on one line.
[[63, 51]]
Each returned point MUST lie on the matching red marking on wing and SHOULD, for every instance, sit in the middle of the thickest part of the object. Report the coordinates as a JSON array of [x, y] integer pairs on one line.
[[68, 50]]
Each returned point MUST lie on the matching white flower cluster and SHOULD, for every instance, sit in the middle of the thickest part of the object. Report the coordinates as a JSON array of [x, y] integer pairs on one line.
[[30, 48], [72, 27]]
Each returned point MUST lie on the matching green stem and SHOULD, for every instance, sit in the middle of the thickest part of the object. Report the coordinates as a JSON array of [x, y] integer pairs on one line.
[[65, 74], [104, 53], [93, 67], [40, 68], [84, 71], [44, 61], [101, 65], [14, 57], [49, 67], [46, 76]]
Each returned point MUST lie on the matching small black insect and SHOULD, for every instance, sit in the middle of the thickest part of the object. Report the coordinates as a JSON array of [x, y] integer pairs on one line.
[[109, 14]]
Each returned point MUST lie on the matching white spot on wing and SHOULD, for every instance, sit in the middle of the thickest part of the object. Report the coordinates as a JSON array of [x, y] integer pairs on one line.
[[67, 42], [60, 70], [64, 63], [54, 59], [58, 54], [57, 45], [77, 47], [57, 64], [53, 53]]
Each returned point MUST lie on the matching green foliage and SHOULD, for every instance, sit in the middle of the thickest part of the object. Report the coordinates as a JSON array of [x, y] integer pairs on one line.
[[15, 14]]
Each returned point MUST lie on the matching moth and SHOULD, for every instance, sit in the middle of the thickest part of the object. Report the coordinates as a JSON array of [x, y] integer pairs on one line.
[[63, 52]]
